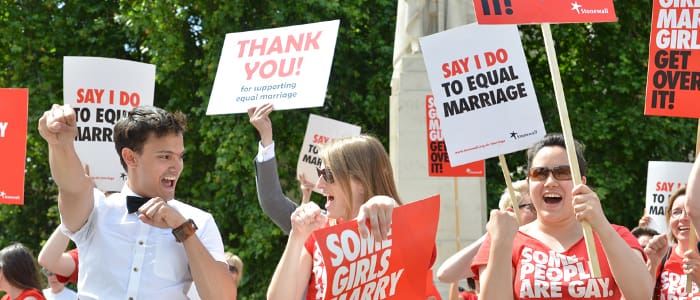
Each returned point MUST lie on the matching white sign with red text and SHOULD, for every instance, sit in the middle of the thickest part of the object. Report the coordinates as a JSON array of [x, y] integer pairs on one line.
[[663, 177], [483, 91], [287, 66], [102, 91], [320, 131]]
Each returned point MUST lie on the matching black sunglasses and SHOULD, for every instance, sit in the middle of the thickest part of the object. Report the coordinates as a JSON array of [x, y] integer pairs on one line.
[[326, 174], [562, 172], [232, 269]]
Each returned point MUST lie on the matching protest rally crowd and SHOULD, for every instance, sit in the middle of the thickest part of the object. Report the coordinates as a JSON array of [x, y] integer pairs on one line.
[[141, 243], [549, 239]]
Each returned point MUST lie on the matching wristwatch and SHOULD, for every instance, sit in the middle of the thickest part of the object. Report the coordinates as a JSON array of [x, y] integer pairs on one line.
[[184, 231]]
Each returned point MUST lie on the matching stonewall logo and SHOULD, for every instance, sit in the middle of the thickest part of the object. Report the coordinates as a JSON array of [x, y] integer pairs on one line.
[[583, 11], [5, 196]]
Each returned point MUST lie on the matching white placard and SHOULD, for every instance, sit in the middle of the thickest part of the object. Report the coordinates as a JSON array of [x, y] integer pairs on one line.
[[484, 95], [102, 90], [319, 131], [286, 66], [663, 177]]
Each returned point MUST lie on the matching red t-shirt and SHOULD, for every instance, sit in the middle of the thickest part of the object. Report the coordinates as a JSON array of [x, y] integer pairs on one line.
[[25, 294], [542, 273], [73, 276], [672, 280]]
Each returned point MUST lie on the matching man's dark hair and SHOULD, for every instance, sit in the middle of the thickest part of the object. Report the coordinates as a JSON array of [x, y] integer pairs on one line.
[[557, 139], [133, 130]]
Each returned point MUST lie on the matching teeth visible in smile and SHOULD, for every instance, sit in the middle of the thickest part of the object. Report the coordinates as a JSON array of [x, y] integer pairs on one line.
[[683, 228], [169, 178]]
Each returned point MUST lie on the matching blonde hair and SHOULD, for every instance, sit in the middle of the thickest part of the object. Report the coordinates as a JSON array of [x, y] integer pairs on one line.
[[363, 159], [235, 261], [520, 188]]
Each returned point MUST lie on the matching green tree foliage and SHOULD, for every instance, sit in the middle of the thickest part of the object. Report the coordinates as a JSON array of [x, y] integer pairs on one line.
[[603, 69]]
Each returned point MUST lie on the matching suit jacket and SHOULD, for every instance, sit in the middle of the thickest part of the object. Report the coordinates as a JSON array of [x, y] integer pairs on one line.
[[272, 200]]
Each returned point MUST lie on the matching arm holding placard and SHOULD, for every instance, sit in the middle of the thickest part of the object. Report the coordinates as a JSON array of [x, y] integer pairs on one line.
[[272, 200], [626, 264], [59, 128]]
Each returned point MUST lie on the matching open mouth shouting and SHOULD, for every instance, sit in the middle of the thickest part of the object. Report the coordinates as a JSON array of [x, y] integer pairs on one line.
[[168, 181], [552, 198]]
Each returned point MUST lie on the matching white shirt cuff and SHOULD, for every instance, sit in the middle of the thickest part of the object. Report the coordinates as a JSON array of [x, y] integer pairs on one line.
[[265, 153]]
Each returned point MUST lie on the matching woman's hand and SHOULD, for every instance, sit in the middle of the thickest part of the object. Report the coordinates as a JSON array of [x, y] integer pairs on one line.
[[378, 210], [307, 218], [587, 207]]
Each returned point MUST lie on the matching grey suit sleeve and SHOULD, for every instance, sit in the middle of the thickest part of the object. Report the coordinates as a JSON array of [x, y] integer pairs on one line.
[[272, 200]]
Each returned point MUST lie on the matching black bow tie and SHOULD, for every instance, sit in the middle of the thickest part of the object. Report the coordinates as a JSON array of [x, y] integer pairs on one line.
[[134, 202]]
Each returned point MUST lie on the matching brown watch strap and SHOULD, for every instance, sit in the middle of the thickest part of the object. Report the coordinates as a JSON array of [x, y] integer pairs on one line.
[[184, 231]]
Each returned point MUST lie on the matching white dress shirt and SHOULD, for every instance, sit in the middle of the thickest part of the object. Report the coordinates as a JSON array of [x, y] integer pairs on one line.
[[124, 258]]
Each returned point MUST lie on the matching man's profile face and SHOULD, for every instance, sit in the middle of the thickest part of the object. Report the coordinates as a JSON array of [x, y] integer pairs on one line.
[[157, 168]]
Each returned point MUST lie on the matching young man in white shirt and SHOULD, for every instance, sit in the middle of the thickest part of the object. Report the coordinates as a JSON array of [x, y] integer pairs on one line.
[[153, 251]]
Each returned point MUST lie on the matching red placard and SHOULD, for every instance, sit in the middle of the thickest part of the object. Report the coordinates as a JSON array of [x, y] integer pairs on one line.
[[438, 160], [393, 269], [673, 79], [543, 11], [13, 142]]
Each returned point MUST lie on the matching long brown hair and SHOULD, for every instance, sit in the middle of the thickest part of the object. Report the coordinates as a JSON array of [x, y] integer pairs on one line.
[[18, 266], [364, 159]]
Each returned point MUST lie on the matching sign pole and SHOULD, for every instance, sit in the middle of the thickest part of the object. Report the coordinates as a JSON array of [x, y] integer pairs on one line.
[[569, 139]]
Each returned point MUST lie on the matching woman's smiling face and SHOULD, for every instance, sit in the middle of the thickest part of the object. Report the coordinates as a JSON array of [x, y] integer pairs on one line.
[[679, 223], [551, 197]]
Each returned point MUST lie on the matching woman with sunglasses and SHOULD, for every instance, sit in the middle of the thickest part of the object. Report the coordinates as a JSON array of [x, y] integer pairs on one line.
[[547, 258], [358, 182], [458, 266], [19, 274], [673, 266]]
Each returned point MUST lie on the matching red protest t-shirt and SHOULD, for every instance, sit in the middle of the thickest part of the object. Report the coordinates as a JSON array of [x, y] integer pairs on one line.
[[672, 279], [73, 276], [542, 273]]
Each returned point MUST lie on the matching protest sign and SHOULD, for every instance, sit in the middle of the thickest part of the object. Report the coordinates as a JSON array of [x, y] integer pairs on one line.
[[287, 66], [438, 159], [663, 177], [485, 99], [396, 268], [102, 91], [673, 79], [13, 142], [320, 131], [543, 11]]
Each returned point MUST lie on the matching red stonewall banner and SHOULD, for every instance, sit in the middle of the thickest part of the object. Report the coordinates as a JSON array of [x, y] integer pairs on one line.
[[543, 11], [673, 79], [397, 268], [438, 159], [13, 142]]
